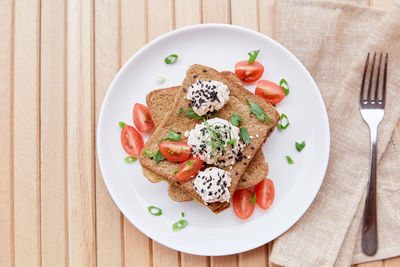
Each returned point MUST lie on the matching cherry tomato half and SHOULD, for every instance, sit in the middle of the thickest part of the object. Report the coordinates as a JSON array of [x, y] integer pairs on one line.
[[265, 192], [249, 72], [242, 204], [175, 151], [131, 140], [270, 91], [142, 118], [189, 169]]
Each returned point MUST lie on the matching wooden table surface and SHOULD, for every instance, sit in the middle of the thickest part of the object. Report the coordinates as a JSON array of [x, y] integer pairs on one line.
[[57, 59]]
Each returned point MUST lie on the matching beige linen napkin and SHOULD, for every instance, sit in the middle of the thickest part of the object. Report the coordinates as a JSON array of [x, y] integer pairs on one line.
[[332, 39]]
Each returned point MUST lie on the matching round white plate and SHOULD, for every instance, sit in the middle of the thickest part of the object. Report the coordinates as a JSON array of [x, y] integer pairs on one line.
[[218, 46]]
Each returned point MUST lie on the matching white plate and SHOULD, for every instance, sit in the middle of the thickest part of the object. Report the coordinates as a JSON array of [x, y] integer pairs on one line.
[[219, 46]]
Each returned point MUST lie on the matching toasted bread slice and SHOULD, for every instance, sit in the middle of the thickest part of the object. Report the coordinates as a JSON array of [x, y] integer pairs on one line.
[[161, 100], [237, 103]]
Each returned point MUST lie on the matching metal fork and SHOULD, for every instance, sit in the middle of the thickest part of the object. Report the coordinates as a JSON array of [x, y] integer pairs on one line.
[[372, 107]]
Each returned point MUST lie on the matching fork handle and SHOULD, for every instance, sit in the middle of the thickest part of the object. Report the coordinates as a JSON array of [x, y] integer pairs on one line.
[[369, 237]]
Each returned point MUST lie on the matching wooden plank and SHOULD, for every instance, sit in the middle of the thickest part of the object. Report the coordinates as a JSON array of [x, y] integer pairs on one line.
[[6, 88], [163, 256], [187, 12], [266, 14], [394, 262], [160, 17], [245, 13], [80, 145], [138, 247], [109, 233], [256, 258], [216, 11], [371, 264], [53, 133], [26, 134], [224, 261]]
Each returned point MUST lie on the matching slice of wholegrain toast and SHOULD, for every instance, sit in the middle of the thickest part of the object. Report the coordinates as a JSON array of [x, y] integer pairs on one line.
[[237, 104], [160, 100]]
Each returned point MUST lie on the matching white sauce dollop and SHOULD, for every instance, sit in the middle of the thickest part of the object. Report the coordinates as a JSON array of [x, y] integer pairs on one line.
[[205, 144], [207, 96], [213, 184]]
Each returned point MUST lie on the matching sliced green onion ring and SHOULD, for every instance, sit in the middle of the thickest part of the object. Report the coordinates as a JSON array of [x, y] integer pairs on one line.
[[155, 210], [130, 159], [179, 225], [283, 124], [171, 59]]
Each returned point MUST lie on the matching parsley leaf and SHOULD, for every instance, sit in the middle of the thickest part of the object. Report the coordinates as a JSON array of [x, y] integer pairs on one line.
[[236, 119], [189, 162], [257, 110], [253, 55], [300, 146], [175, 171], [289, 160], [172, 136], [285, 86], [157, 157], [253, 198], [193, 115], [122, 124], [244, 135]]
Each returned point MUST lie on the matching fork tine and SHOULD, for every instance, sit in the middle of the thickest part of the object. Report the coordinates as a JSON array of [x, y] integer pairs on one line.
[[377, 80], [370, 78], [363, 80], [382, 101]]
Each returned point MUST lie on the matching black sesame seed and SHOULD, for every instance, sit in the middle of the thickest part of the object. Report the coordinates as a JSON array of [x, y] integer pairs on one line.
[[245, 163], [184, 90], [194, 76], [204, 70], [252, 148]]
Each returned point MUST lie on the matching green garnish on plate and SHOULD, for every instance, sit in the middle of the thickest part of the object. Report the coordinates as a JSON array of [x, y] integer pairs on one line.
[[253, 55], [283, 122], [171, 59], [300, 146], [285, 86], [154, 210], [289, 160], [179, 225], [130, 159]]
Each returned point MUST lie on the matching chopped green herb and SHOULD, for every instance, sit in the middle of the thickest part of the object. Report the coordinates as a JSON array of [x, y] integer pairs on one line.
[[253, 55], [179, 225], [172, 136], [284, 85], [176, 170], [236, 119], [244, 135], [155, 211], [300, 146], [257, 110], [183, 214], [189, 162], [253, 198], [171, 59], [231, 142], [283, 122], [130, 159], [158, 157], [149, 153], [193, 115], [289, 160], [122, 124]]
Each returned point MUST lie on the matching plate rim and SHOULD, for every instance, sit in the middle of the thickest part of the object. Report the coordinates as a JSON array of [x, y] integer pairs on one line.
[[123, 69]]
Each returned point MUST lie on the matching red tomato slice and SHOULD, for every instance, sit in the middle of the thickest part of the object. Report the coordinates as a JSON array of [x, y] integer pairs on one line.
[[131, 140], [189, 169], [265, 192], [242, 204], [142, 118], [249, 72], [175, 151], [270, 91]]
